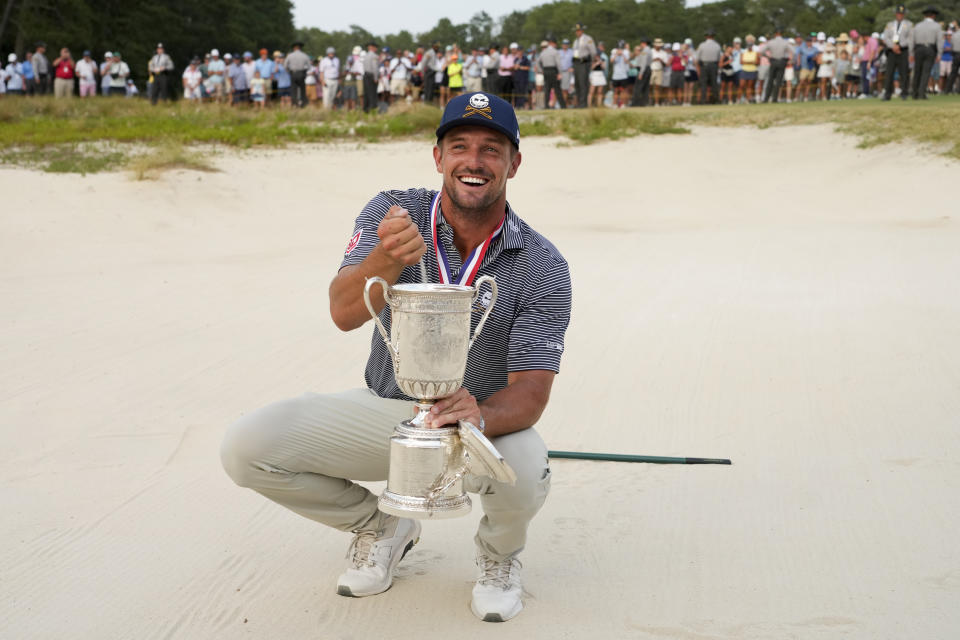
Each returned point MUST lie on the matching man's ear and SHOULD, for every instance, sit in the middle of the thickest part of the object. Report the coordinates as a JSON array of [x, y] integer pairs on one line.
[[514, 165], [437, 155]]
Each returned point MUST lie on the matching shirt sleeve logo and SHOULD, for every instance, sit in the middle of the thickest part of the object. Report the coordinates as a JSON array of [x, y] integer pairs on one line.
[[354, 241]]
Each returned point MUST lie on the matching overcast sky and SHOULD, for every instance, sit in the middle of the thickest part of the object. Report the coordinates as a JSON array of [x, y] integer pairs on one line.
[[381, 17]]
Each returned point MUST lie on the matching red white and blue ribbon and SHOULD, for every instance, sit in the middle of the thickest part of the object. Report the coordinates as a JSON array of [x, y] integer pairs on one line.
[[472, 264]]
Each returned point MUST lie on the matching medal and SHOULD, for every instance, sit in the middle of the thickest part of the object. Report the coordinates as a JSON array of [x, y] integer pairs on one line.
[[472, 264]]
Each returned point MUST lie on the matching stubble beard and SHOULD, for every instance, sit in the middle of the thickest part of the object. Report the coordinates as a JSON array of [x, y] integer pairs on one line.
[[477, 210]]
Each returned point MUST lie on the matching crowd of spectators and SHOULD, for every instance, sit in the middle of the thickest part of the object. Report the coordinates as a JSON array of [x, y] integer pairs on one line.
[[550, 74]]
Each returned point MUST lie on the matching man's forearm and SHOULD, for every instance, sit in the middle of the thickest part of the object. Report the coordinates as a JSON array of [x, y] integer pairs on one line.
[[519, 405], [346, 291]]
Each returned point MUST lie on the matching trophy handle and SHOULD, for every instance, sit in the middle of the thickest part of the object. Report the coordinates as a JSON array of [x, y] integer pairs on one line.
[[493, 300], [373, 314]]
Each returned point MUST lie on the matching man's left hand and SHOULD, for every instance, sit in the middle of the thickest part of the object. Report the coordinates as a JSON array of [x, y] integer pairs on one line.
[[460, 406]]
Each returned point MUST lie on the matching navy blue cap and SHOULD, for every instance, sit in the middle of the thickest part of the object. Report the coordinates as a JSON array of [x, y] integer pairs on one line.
[[481, 110]]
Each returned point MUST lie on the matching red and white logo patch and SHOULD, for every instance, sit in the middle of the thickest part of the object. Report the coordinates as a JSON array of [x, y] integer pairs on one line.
[[354, 241]]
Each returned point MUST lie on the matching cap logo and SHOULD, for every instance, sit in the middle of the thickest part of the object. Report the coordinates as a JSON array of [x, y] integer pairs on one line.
[[478, 105], [479, 101]]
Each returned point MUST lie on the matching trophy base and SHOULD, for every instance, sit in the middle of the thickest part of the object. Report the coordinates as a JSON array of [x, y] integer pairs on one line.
[[424, 508]]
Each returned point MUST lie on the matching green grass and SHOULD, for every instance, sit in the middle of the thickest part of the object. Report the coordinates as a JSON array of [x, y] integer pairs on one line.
[[65, 158], [85, 136], [171, 155], [935, 122]]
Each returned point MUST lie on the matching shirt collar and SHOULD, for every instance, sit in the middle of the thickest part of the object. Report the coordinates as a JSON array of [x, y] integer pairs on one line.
[[510, 238]]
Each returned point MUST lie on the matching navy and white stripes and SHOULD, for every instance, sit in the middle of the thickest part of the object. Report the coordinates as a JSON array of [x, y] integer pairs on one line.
[[525, 331]]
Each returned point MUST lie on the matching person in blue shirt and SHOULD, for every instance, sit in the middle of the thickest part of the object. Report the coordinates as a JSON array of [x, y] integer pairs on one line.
[[806, 62], [238, 80], [265, 66], [29, 78], [282, 78], [946, 63]]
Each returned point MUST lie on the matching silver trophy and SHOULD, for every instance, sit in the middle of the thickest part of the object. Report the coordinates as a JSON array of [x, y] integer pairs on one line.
[[428, 343]]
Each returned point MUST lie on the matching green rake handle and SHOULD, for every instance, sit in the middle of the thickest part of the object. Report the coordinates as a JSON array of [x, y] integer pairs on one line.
[[621, 457]]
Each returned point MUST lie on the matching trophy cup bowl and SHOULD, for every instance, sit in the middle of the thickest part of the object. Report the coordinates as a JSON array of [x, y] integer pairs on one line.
[[428, 343]]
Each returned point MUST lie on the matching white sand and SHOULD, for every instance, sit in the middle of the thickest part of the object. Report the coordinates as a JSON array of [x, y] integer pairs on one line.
[[777, 297]]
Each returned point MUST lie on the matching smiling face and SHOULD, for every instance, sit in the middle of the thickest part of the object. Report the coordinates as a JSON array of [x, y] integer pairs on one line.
[[476, 163]]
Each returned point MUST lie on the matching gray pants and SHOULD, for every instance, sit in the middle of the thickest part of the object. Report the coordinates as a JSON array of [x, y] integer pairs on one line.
[[924, 57], [954, 72], [897, 62], [369, 92], [774, 80], [551, 81], [303, 453], [581, 75], [708, 79]]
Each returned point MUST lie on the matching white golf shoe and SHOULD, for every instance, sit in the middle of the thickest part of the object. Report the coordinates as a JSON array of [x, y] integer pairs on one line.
[[497, 594], [373, 557]]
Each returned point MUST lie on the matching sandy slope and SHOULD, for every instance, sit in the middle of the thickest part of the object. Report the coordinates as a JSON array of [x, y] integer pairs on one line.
[[777, 297]]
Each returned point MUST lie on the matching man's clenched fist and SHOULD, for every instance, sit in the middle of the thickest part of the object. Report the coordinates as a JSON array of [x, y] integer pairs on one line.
[[400, 237]]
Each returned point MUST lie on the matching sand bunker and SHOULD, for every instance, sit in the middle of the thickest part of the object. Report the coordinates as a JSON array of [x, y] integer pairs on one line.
[[777, 297]]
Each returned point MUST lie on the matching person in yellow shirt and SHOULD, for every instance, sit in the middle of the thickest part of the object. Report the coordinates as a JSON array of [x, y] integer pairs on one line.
[[455, 76], [749, 58]]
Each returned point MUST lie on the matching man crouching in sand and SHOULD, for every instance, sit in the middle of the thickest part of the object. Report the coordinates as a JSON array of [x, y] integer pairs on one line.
[[305, 453]]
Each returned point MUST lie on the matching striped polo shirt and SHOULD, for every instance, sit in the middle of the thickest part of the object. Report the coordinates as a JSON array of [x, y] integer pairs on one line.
[[524, 332]]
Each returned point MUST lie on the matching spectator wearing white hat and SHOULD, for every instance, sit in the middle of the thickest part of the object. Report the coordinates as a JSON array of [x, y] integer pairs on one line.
[[737, 50], [105, 74], [216, 70], [953, 38], [763, 67], [227, 82], [678, 65], [826, 72], [399, 69], [352, 78], [13, 76], [330, 77]]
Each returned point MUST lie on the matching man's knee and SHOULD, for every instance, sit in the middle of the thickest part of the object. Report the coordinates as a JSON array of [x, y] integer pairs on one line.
[[250, 441], [526, 454]]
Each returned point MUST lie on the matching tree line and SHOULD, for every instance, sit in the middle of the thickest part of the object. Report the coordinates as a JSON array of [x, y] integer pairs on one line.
[[186, 28], [611, 20]]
